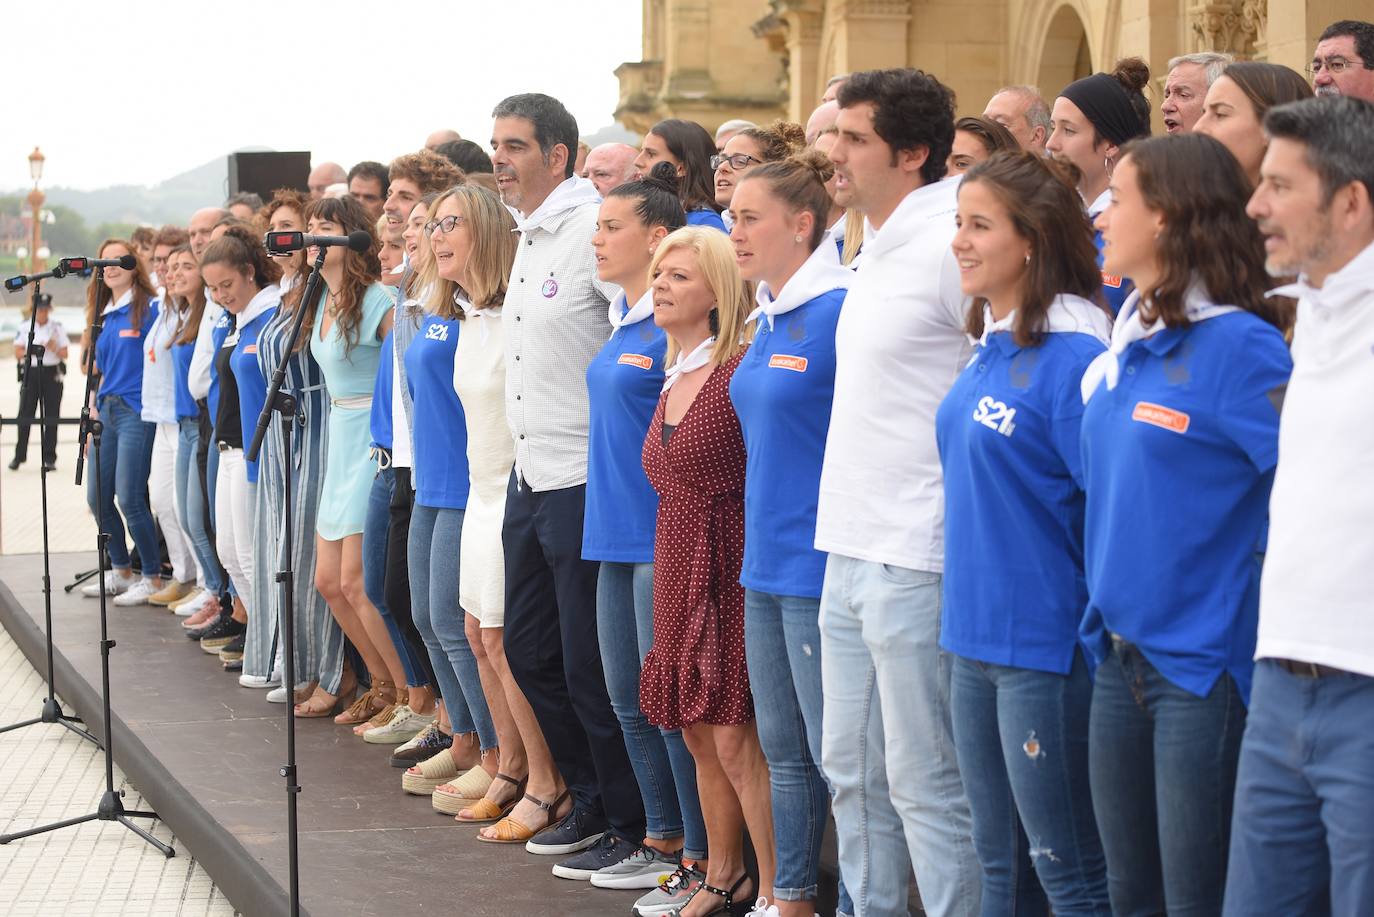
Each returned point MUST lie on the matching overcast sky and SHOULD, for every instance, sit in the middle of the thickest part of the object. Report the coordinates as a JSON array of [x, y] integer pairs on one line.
[[140, 92]]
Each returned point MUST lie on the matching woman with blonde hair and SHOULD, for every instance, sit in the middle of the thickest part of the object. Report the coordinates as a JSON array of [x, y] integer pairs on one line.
[[694, 676]]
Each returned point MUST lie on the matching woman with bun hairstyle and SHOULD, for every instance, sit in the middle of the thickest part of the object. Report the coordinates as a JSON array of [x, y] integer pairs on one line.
[[751, 147], [1091, 121], [1008, 433], [129, 307], [623, 384], [1236, 103], [1179, 445], [782, 392], [242, 280], [686, 147]]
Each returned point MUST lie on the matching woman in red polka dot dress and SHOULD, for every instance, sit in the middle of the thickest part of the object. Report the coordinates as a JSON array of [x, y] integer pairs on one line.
[[695, 675]]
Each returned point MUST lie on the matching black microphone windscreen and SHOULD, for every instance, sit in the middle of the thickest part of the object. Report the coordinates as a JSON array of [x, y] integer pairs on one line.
[[360, 240], [128, 262]]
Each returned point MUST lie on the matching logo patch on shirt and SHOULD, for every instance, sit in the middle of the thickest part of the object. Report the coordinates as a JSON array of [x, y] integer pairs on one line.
[[130, 333], [250, 348], [995, 415], [436, 333], [1111, 280], [636, 359], [784, 361], [1160, 416], [550, 288]]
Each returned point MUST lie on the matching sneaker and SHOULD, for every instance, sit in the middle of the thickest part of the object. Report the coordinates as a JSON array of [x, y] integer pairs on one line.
[[608, 852], [278, 694], [172, 592], [575, 833], [136, 594], [672, 893], [195, 633], [645, 868], [404, 725], [207, 612], [114, 585], [233, 650], [188, 605], [429, 742], [221, 634], [260, 681], [195, 594]]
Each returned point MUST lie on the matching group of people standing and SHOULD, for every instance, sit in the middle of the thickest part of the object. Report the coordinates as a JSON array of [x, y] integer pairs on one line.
[[885, 467]]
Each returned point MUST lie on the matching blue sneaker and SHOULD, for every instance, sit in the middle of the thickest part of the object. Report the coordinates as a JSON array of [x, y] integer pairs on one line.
[[575, 833]]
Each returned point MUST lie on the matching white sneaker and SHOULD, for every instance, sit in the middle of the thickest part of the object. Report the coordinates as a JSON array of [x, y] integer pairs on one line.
[[278, 694], [261, 681], [192, 605], [762, 908], [404, 725], [137, 594], [114, 585]]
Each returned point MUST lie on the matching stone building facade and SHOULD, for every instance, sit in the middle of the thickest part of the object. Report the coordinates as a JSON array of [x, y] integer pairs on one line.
[[712, 60]]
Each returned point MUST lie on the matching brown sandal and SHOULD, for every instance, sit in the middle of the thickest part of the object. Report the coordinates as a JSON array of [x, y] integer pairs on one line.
[[512, 831], [485, 810], [383, 716], [321, 703]]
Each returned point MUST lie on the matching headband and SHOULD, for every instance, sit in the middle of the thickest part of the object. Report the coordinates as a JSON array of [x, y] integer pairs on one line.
[[1107, 104]]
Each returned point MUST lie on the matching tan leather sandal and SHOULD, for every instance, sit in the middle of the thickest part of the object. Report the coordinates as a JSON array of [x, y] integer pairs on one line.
[[486, 810], [372, 702], [512, 831]]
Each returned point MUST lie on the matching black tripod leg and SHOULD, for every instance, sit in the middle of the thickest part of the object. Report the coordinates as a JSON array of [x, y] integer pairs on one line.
[[123, 820], [12, 726], [55, 826]]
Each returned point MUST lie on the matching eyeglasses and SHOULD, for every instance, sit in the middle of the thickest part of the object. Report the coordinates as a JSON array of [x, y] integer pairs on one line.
[[444, 226], [737, 161], [1332, 65]]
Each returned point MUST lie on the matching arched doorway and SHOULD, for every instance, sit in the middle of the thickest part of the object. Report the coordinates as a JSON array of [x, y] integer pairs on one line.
[[1065, 56]]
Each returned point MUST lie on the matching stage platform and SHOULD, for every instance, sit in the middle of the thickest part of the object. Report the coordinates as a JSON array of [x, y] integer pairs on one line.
[[206, 752]]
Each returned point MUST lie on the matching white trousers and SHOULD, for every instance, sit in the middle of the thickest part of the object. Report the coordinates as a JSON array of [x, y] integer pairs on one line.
[[234, 523], [162, 494]]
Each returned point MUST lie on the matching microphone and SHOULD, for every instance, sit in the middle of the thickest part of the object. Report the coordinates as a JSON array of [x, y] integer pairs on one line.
[[279, 243], [79, 265]]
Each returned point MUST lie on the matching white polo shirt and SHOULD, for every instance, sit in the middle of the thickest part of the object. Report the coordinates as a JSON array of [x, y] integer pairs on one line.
[[899, 346], [1317, 596]]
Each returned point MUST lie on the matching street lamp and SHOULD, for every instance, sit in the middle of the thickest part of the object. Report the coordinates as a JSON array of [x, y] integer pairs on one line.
[[35, 200]]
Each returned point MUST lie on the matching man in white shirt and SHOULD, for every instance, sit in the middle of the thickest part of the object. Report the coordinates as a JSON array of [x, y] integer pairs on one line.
[[888, 746], [1302, 838], [49, 335], [555, 320]]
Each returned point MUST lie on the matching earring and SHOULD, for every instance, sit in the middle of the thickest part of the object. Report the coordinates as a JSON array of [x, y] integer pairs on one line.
[[1028, 257], [797, 239]]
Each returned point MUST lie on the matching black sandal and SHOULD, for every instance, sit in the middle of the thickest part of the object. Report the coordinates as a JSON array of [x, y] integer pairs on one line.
[[730, 906]]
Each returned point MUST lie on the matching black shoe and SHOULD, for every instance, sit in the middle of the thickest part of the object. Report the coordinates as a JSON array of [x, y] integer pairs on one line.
[[195, 633], [423, 747], [609, 851], [573, 834], [221, 634], [49, 466], [231, 654], [15, 463]]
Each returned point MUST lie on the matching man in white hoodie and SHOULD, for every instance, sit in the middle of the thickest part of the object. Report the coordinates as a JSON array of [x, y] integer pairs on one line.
[[888, 746], [555, 319]]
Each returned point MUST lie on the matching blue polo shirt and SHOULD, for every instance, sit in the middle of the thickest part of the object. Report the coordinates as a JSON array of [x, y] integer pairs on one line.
[[782, 391], [1008, 433], [223, 324], [181, 365], [119, 355], [1115, 290], [705, 216], [381, 396], [624, 380], [440, 429], [252, 384], [1178, 461]]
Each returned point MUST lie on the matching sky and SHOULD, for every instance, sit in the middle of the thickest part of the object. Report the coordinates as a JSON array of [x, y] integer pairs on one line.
[[142, 91]]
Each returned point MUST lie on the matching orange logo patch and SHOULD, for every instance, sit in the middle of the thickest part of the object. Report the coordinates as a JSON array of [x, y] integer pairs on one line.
[[636, 359], [250, 348], [783, 361], [1111, 280], [130, 333], [1160, 416]]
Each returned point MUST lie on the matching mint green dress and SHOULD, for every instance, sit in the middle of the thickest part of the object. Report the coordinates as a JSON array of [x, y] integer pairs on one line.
[[349, 377]]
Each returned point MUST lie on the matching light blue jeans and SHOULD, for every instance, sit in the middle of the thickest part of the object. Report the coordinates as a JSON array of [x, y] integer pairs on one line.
[[888, 745], [126, 456], [663, 766], [191, 502], [433, 551]]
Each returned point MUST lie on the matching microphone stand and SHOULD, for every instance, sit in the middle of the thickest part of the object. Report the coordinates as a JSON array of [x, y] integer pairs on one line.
[[285, 405], [33, 376], [110, 808]]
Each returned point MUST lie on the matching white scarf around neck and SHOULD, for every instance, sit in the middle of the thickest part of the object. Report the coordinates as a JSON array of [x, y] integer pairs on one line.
[[1068, 314], [620, 317], [686, 363], [820, 273]]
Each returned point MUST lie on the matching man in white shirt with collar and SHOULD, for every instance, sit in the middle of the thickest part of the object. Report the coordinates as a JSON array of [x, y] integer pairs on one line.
[[888, 747], [1302, 838], [555, 320]]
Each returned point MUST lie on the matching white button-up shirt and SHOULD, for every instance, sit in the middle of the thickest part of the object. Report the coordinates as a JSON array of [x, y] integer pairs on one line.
[[159, 376], [50, 335], [899, 346], [1317, 597], [555, 322]]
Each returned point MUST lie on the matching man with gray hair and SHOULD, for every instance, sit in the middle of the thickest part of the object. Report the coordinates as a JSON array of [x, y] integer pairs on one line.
[[1185, 88], [610, 164], [832, 87], [1024, 112], [1302, 840], [729, 129]]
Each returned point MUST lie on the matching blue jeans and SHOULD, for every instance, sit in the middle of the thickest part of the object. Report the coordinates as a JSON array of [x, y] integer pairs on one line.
[[126, 457], [887, 742], [1302, 841], [374, 570], [1162, 763], [663, 766], [1022, 739], [191, 500], [782, 643], [433, 551]]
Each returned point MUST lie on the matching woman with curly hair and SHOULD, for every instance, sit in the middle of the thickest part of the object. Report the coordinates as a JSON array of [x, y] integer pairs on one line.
[[752, 147]]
